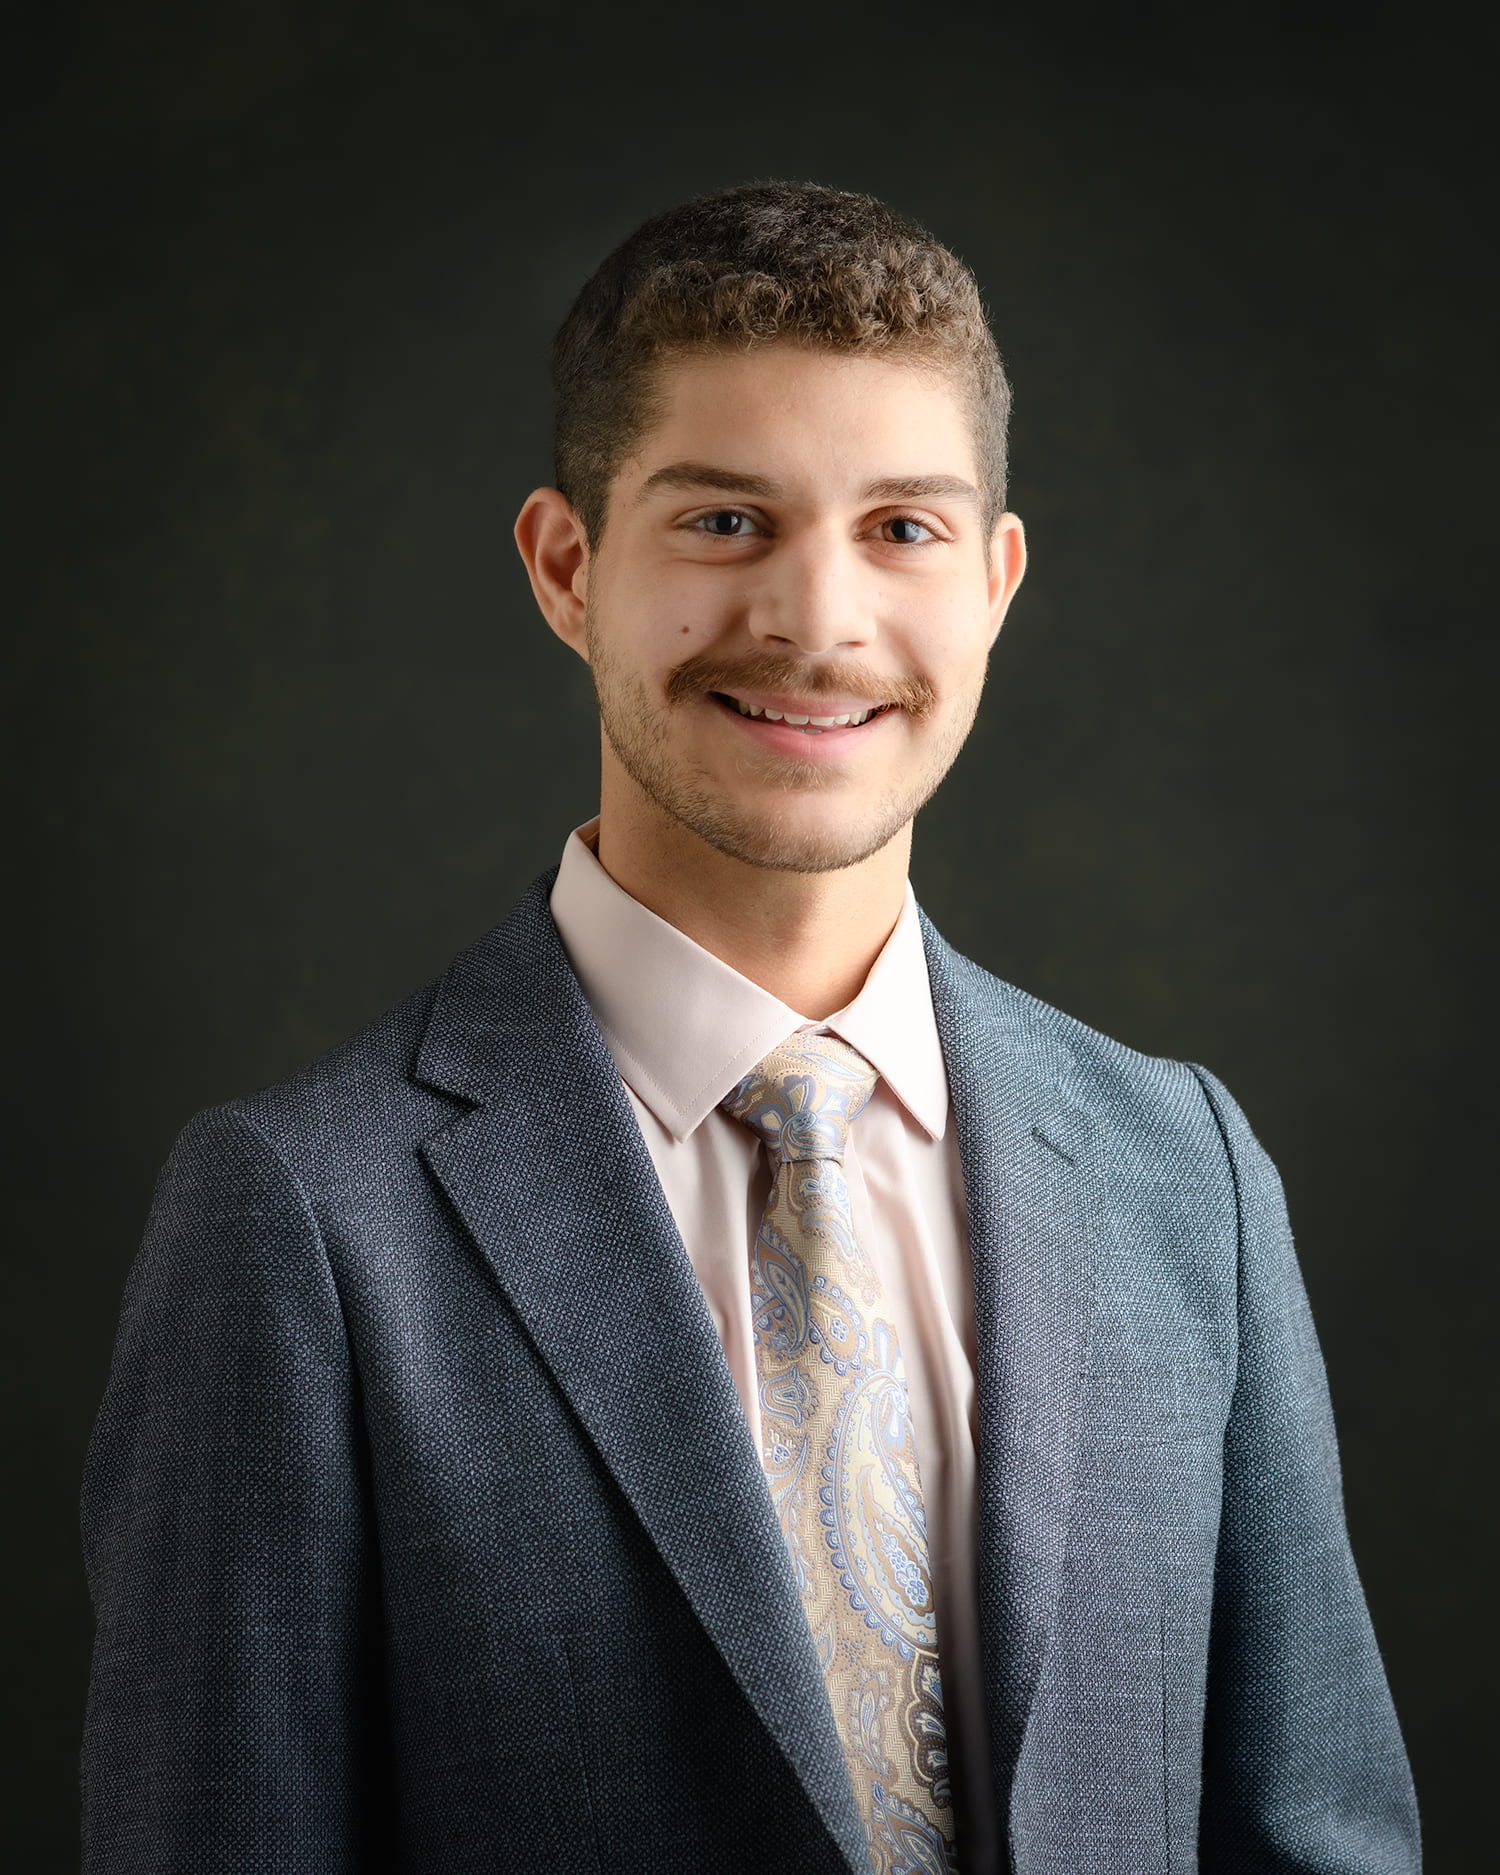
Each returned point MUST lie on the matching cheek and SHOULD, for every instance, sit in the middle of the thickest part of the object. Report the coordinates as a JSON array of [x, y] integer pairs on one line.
[[684, 615], [946, 638], [644, 625], [697, 596]]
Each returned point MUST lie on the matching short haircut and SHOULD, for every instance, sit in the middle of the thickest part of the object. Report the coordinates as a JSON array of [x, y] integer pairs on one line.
[[746, 266]]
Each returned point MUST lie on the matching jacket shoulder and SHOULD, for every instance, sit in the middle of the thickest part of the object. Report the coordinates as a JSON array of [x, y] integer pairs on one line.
[[359, 1095], [1080, 1059], [368, 1092]]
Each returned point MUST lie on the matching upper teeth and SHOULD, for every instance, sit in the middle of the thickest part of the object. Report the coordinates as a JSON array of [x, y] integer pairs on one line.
[[817, 722]]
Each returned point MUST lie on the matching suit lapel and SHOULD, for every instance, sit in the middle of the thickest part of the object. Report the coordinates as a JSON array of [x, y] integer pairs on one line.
[[551, 1176], [1034, 1218]]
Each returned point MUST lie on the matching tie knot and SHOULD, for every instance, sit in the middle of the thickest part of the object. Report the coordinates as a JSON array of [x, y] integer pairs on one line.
[[802, 1097]]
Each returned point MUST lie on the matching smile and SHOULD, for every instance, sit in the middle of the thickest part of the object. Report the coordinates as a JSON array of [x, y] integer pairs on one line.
[[808, 725]]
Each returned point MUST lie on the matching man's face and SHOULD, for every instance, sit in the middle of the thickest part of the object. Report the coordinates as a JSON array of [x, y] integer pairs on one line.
[[798, 532]]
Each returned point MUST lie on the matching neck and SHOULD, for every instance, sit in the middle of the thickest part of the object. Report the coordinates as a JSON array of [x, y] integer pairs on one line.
[[809, 938]]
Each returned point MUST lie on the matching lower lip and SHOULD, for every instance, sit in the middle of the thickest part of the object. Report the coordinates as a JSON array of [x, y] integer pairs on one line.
[[807, 744]]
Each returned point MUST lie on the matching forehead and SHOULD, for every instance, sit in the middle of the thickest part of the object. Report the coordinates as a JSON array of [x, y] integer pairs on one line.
[[794, 410]]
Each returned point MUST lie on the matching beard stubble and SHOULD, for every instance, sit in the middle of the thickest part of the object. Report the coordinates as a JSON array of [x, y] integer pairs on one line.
[[754, 827]]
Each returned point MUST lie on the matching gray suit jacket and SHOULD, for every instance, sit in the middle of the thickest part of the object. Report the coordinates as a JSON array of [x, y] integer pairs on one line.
[[425, 1531]]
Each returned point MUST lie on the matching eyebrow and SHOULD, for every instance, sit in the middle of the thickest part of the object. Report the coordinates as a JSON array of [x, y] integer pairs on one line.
[[690, 475]]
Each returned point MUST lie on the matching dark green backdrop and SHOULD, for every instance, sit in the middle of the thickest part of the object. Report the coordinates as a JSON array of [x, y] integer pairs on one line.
[[292, 733]]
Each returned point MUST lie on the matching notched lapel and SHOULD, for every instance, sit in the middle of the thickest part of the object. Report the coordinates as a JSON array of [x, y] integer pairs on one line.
[[552, 1178], [1035, 1213]]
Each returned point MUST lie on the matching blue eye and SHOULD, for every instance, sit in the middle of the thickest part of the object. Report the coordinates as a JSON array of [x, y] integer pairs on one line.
[[912, 538]]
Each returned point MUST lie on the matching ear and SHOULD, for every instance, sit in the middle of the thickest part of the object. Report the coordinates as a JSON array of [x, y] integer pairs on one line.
[[552, 542], [1007, 567]]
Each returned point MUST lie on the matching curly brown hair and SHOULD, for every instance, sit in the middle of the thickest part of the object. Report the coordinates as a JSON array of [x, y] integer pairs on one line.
[[745, 266]]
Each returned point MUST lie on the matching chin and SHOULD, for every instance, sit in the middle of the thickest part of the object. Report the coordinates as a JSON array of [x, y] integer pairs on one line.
[[776, 843]]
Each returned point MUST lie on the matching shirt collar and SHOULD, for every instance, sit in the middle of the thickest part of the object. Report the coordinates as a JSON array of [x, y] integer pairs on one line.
[[683, 1026]]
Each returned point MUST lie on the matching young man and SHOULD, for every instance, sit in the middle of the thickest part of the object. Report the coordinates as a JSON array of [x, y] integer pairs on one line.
[[717, 1381]]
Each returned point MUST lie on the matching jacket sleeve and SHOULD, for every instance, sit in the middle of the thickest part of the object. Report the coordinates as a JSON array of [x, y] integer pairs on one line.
[[1304, 1770], [234, 1717]]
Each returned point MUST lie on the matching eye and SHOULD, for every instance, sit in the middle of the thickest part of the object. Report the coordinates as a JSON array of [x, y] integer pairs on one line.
[[908, 531], [724, 524]]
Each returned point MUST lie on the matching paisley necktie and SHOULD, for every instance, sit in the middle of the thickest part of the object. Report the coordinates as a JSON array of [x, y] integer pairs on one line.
[[839, 1456]]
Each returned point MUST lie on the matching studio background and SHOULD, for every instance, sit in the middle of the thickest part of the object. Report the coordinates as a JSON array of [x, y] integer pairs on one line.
[[291, 732]]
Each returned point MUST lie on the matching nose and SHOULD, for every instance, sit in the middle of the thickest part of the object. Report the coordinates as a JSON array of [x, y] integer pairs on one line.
[[810, 597]]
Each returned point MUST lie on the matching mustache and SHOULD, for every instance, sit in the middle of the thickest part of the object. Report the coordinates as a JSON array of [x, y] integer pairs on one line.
[[763, 670]]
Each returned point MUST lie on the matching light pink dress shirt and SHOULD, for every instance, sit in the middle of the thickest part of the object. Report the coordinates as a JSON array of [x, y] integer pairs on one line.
[[683, 1027]]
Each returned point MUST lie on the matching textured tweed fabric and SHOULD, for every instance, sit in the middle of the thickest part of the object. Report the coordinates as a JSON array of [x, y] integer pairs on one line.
[[425, 1532]]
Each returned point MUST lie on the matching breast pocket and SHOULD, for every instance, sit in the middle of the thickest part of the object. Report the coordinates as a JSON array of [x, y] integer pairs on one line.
[[1164, 1404], [1150, 1470]]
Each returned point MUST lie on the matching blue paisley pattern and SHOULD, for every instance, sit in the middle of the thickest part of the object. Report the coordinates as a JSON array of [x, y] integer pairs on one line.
[[839, 1454]]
